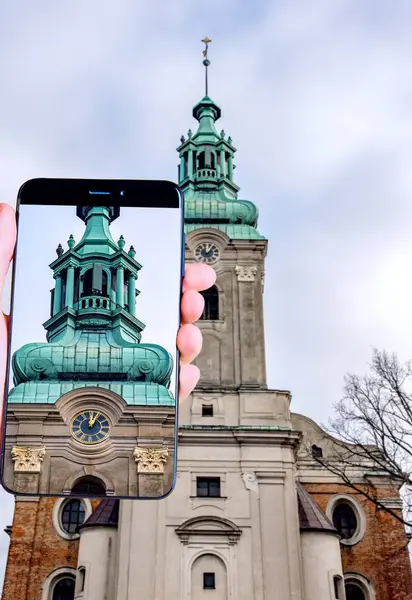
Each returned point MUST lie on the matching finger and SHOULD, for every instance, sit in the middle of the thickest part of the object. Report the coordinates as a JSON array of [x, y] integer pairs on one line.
[[189, 376], [189, 342], [192, 306], [198, 276], [7, 240]]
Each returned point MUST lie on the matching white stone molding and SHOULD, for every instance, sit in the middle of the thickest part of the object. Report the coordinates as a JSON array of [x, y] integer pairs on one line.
[[392, 503], [150, 460], [208, 526], [359, 513], [80, 399], [26, 459], [57, 516], [53, 578], [245, 273], [363, 583], [209, 535], [251, 482]]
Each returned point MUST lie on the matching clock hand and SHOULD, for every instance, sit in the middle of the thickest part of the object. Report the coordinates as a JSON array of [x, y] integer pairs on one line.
[[208, 246], [93, 421]]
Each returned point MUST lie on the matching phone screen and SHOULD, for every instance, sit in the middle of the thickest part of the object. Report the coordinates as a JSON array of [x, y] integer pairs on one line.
[[92, 386]]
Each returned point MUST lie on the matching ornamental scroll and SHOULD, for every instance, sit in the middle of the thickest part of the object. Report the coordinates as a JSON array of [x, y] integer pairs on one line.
[[27, 460], [150, 460]]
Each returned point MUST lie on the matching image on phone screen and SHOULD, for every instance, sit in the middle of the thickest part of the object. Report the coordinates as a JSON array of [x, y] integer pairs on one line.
[[93, 366]]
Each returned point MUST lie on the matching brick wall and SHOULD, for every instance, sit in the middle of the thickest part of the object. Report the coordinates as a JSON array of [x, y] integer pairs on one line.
[[381, 556], [35, 550]]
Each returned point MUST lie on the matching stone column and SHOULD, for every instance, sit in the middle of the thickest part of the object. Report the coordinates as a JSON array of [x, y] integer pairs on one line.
[[131, 290], [58, 288], [222, 162], [27, 467], [150, 470], [250, 351], [70, 286], [182, 167], [120, 286], [190, 163], [230, 167]]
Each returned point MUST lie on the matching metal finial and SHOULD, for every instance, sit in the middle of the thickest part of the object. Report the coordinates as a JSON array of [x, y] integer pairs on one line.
[[206, 61]]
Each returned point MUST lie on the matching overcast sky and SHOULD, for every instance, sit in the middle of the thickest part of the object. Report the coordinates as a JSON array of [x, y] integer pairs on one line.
[[317, 97]]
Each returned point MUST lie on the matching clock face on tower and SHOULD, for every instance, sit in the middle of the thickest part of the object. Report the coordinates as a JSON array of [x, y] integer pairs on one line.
[[207, 253], [90, 427]]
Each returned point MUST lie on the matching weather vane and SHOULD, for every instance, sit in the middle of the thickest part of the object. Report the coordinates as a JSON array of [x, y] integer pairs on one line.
[[206, 61]]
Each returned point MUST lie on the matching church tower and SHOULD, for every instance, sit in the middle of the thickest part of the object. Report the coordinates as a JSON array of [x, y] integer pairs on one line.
[[231, 524]]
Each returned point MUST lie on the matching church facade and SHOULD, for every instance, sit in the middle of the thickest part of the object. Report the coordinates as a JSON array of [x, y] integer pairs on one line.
[[253, 516]]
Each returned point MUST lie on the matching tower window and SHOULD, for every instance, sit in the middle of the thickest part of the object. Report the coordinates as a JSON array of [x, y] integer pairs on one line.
[[208, 487], [82, 578], [207, 410], [211, 310], [64, 589], [337, 587], [354, 592], [317, 452], [209, 581], [95, 281], [72, 515], [345, 521], [89, 486]]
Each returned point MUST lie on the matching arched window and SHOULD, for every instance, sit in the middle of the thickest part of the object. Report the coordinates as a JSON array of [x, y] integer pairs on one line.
[[95, 281], [345, 521], [89, 486], [211, 310], [354, 592], [64, 589], [72, 515], [87, 283]]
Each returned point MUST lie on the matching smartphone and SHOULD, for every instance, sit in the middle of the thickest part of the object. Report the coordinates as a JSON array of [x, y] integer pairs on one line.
[[91, 391]]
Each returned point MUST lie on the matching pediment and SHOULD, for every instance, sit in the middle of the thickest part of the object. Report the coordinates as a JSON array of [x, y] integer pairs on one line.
[[206, 526]]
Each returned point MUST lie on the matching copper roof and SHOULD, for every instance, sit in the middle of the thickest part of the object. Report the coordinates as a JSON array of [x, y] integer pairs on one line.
[[311, 517], [105, 515]]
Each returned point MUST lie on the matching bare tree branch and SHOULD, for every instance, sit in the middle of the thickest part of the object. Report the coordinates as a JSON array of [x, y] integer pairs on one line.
[[372, 431]]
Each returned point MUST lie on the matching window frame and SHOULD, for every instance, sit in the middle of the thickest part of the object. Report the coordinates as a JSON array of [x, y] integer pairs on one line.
[[362, 582], [209, 587], [58, 512], [53, 578], [208, 479], [359, 514]]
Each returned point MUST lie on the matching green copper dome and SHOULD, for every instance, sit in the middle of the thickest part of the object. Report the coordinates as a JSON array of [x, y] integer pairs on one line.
[[206, 178]]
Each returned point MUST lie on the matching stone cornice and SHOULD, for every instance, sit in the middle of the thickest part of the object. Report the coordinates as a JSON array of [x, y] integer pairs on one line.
[[238, 435]]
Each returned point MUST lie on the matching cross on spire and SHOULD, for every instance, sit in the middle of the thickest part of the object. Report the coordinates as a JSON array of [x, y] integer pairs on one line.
[[206, 61]]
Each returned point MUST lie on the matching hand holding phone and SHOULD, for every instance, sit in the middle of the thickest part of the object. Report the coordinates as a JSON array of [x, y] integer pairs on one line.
[[96, 308]]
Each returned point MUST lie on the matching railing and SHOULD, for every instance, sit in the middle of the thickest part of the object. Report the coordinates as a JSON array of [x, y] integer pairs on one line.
[[206, 174], [95, 303]]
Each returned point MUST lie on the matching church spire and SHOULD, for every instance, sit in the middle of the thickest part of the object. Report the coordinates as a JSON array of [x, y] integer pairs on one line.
[[206, 173]]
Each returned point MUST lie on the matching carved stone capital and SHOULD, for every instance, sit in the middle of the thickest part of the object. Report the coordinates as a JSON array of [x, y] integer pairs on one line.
[[27, 460], [150, 460], [245, 273]]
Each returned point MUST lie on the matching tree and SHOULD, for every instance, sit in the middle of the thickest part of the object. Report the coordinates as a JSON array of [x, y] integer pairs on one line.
[[372, 431]]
